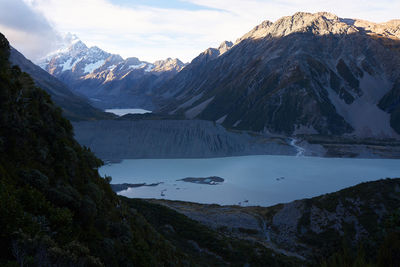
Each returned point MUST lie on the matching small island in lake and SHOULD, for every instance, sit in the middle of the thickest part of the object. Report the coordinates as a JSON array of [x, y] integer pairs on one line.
[[121, 187], [212, 180]]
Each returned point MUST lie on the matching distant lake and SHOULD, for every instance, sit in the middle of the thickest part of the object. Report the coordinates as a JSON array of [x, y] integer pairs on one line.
[[249, 180], [124, 111]]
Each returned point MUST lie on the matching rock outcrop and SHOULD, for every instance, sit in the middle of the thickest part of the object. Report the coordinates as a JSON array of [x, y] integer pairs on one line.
[[306, 73], [315, 228]]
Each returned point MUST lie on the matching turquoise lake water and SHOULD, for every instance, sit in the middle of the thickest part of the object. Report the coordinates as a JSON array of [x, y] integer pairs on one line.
[[249, 180]]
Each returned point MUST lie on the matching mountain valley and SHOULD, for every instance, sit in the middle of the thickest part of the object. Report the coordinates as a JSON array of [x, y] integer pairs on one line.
[[293, 109]]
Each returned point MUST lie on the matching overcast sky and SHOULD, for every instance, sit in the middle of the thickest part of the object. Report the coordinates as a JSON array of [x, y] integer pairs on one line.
[[157, 29]]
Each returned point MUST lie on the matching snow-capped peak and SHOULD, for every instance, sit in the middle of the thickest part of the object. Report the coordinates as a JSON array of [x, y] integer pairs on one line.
[[82, 62], [74, 56]]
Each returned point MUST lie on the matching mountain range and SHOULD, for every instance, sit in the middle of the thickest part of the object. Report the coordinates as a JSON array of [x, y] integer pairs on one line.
[[108, 79], [74, 107], [303, 74], [328, 75]]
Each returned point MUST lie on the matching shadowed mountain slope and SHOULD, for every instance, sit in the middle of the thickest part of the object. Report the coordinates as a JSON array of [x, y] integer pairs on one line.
[[74, 107], [306, 73]]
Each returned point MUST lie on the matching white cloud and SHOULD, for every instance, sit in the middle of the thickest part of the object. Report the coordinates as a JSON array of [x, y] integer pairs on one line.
[[145, 32], [152, 33], [27, 30], [377, 11]]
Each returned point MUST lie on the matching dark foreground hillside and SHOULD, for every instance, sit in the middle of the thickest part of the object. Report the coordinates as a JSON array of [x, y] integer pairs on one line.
[[356, 226], [74, 108], [55, 209]]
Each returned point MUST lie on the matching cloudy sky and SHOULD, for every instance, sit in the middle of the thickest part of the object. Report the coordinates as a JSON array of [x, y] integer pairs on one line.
[[157, 29]]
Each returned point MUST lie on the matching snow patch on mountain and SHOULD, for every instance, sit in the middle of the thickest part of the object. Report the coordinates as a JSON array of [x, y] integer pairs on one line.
[[67, 65], [89, 68], [149, 68], [115, 81], [135, 67]]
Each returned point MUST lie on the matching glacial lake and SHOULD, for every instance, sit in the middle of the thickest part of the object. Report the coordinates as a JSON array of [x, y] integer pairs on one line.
[[124, 111], [249, 180]]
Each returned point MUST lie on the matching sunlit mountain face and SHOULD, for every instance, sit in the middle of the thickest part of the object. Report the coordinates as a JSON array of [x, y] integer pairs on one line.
[[306, 73], [281, 148], [108, 79]]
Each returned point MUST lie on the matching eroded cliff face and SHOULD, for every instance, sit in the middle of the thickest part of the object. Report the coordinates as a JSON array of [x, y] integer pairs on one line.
[[306, 73], [123, 139]]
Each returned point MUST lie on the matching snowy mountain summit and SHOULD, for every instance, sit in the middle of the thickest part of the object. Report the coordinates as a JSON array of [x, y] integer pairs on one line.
[[103, 76], [78, 59]]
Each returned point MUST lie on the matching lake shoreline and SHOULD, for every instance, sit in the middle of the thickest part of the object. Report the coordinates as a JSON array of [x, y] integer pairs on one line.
[[248, 180]]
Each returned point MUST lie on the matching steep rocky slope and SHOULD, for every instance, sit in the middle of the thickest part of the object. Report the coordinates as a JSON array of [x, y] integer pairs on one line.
[[74, 107], [363, 218], [306, 73], [108, 79]]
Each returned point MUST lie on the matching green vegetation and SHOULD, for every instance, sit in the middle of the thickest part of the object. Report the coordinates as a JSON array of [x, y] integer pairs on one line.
[[54, 207], [363, 229], [386, 254], [74, 107], [206, 246]]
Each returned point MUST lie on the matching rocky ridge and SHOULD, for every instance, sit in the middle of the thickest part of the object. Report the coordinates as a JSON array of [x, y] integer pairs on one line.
[[108, 79], [309, 229], [306, 73], [74, 107]]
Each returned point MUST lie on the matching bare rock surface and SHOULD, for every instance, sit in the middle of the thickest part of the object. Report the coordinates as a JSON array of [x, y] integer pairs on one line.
[[309, 72], [304, 228], [127, 139]]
